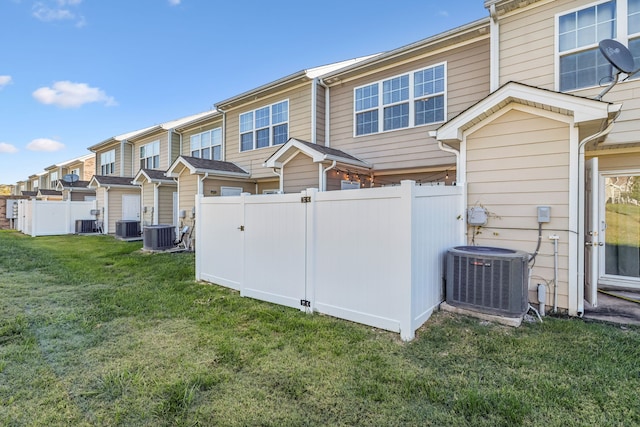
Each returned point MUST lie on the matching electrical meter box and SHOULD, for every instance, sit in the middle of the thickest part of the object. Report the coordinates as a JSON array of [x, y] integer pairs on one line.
[[544, 213], [477, 216]]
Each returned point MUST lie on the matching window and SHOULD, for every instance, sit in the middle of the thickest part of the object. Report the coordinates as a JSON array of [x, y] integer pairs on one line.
[[108, 162], [75, 171], [408, 100], [150, 155], [264, 127], [580, 62], [54, 179], [207, 145], [35, 183]]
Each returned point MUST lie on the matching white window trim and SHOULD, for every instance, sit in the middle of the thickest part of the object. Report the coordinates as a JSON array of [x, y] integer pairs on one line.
[[108, 155], [224, 191], [149, 144], [412, 99], [621, 33], [270, 127], [211, 145]]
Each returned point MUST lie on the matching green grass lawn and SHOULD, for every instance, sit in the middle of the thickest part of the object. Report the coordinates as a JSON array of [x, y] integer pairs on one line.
[[95, 332]]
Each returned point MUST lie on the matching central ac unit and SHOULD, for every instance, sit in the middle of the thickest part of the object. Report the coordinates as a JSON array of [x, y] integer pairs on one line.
[[158, 237], [127, 229], [486, 279], [85, 226]]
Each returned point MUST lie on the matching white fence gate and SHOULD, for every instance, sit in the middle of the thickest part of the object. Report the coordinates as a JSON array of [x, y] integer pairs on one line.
[[373, 256], [51, 217]]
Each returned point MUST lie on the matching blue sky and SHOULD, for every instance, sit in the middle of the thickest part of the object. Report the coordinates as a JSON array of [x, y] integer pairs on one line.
[[74, 73]]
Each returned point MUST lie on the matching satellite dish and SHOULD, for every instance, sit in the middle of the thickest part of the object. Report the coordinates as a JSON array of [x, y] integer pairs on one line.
[[618, 55], [620, 58], [71, 177]]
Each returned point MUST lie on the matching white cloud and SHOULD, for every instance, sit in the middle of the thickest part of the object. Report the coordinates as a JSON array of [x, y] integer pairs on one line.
[[7, 148], [174, 2], [44, 144], [67, 94], [4, 80], [45, 13]]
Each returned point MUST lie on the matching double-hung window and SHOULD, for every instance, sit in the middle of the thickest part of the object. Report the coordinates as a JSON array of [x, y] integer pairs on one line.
[[207, 145], [108, 162], [580, 62], [413, 99], [264, 127], [150, 155], [53, 177]]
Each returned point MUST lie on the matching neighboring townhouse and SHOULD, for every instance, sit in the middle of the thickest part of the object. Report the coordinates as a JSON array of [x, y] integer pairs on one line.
[[200, 170], [381, 109], [154, 150], [117, 198], [261, 121], [552, 135]]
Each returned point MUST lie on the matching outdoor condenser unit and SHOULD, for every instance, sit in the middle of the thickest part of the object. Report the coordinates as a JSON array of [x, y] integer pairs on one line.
[[158, 237], [486, 279], [85, 225], [127, 228]]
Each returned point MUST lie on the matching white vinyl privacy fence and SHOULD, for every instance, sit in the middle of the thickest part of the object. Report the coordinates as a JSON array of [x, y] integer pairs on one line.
[[373, 256], [51, 217]]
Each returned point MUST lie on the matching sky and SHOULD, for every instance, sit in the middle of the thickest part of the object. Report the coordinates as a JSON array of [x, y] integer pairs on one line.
[[74, 73]]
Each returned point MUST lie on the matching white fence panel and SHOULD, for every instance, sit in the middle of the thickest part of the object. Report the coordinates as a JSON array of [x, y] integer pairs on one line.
[[362, 256], [275, 240], [52, 217], [437, 226], [373, 256], [219, 241]]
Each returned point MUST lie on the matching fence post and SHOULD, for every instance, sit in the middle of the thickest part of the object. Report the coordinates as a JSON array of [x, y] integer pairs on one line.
[[34, 216], [405, 289], [311, 226], [198, 208]]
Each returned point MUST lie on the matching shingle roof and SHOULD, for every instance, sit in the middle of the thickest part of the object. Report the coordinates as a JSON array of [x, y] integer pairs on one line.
[[328, 150], [113, 180], [50, 192], [75, 184], [29, 193], [214, 165]]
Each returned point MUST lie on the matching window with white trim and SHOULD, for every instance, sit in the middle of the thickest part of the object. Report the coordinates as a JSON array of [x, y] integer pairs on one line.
[[108, 162], [53, 178], [207, 145], [75, 171], [264, 127], [150, 155], [413, 99], [35, 183], [580, 63]]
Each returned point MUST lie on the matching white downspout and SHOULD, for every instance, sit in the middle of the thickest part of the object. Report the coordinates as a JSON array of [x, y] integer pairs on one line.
[[314, 111], [494, 55], [327, 111], [581, 208], [156, 197], [323, 175], [106, 211], [279, 174], [201, 184]]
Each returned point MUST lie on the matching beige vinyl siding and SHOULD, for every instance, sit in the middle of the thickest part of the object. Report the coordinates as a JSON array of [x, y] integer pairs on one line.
[[175, 149], [299, 127], [88, 169], [321, 115], [527, 45], [165, 204], [618, 161], [187, 190], [146, 194], [300, 173], [115, 206], [213, 186], [268, 185], [514, 164], [467, 70]]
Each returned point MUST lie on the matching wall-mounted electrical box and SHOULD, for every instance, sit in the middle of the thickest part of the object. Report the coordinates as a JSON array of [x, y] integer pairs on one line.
[[476, 216], [544, 213]]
